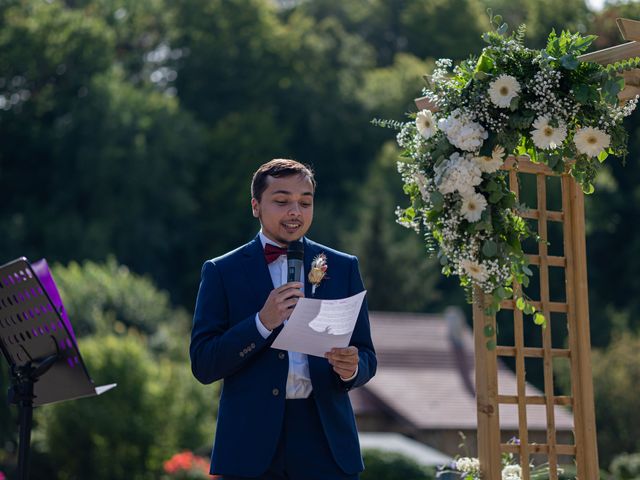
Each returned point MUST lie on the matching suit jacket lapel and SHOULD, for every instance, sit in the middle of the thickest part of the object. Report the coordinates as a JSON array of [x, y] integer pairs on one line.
[[256, 270]]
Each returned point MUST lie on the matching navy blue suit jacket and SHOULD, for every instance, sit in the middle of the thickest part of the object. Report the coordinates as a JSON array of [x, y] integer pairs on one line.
[[225, 344]]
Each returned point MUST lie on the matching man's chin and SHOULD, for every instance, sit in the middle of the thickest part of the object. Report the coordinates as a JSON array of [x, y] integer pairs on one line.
[[289, 238]]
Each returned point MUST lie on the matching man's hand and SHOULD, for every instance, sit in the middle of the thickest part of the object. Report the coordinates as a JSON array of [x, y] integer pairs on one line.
[[344, 360], [279, 304]]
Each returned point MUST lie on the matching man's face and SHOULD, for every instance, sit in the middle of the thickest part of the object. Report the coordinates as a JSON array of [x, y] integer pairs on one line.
[[286, 208]]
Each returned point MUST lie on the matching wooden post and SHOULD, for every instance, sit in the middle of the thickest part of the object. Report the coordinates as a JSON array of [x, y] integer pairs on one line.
[[588, 449], [486, 391]]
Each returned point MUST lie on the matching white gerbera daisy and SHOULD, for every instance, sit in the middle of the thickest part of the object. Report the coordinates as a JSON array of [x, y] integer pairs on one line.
[[546, 136], [494, 162], [475, 270], [512, 472], [426, 124], [591, 141], [472, 206], [503, 89]]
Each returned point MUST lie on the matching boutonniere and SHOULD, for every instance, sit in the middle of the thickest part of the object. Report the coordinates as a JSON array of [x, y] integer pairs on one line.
[[318, 271]]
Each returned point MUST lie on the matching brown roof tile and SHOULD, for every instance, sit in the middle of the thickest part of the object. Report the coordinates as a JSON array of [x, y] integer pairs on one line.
[[420, 378]]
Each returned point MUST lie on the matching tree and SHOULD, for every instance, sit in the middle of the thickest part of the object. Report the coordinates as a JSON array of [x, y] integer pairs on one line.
[[111, 167], [108, 299], [156, 410], [389, 92], [616, 374], [444, 28], [542, 16], [390, 254]]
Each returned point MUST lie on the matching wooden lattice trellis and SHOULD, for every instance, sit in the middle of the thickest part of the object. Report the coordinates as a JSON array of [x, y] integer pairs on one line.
[[574, 307]]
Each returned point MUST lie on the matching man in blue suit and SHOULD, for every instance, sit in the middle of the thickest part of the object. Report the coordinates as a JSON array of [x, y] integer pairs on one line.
[[282, 415]]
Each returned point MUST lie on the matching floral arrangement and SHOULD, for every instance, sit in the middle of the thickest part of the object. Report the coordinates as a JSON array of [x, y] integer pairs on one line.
[[468, 468], [512, 100], [186, 466]]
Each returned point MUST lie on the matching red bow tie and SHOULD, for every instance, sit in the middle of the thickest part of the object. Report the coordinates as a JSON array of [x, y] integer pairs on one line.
[[272, 253]]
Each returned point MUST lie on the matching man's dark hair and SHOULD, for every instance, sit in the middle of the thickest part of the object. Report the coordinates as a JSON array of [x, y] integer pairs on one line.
[[279, 167]]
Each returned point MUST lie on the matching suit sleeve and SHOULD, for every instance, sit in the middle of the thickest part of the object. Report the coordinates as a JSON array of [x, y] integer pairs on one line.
[[361, 338], [218, 349]]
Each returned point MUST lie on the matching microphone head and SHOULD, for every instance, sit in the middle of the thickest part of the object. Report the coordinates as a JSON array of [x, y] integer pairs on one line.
[[295, 251]]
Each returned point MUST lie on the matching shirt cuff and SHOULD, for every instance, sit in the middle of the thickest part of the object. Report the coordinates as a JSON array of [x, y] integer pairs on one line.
[[351, 377], [264, 331]]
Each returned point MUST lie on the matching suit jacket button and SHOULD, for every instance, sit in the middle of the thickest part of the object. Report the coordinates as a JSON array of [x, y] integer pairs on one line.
[[242, 354], [281, 355], [275, 392], [253, 345]]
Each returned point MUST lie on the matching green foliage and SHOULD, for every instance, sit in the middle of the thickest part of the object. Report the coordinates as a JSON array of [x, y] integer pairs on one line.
[[381, 465], [8, 413], [387, 253], [49, 53], [625, 467], [156, 409], [542, 16], [616, 373], [110, 299], [387, 91], [428, 27]]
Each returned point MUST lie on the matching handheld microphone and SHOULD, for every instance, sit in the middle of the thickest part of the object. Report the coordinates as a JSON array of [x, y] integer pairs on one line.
[[295, 260]]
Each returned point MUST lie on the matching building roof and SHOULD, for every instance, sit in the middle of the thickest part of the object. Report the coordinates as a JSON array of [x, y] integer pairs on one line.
[[397, 443], [425, 376]]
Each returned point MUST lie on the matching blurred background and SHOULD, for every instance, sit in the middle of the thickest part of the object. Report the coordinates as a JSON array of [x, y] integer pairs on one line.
[[129, 131]]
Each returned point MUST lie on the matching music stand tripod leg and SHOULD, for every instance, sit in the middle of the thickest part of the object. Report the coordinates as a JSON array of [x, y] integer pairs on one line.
[[21, 394]]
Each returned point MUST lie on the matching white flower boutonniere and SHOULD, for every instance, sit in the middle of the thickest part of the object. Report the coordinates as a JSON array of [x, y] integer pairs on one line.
[[318, 271]]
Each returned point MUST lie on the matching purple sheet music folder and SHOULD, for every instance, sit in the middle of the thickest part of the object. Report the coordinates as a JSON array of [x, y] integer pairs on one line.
[[42, 270]]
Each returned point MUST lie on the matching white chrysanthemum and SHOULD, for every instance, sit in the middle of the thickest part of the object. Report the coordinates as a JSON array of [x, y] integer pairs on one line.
[[472, 206], [468, 465], [546, 136], [462, 131], [458, 174], [591, 141], [494, 162], [504, 89], [512, 472], [475, 270], [426, 124]]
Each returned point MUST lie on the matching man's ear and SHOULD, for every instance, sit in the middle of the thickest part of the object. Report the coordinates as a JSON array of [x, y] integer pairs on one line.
[[255, 208]]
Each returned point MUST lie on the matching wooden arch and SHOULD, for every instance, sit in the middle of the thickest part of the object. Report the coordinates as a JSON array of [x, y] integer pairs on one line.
[[573, 308]]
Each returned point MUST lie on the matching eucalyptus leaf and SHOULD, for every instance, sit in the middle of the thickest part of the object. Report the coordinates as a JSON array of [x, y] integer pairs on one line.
[[437, 200], [495, 196], [490, 248], [488, 330], [539, 319], [570, 62], [602, 156]]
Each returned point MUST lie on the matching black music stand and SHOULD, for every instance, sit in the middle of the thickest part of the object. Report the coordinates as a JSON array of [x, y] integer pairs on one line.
[[39, 345]]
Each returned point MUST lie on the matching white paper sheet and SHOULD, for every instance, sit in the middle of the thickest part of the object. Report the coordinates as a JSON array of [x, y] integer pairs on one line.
[[316, 326]]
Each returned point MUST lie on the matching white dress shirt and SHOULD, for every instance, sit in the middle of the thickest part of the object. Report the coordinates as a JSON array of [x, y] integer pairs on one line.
[[298, 379]]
